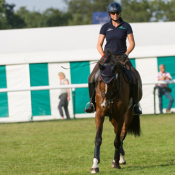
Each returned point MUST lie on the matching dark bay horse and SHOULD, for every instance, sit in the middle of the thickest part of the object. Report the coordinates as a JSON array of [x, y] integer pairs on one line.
[[113, 99]]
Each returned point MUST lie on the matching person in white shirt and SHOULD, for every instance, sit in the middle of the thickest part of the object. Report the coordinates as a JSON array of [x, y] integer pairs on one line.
[[164, 89], [64, 96]]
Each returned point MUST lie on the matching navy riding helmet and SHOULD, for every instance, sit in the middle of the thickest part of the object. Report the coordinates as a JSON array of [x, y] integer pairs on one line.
[[114, 7]]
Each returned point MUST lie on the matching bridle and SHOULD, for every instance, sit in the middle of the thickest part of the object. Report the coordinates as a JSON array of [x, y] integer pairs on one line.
[[109, 95]]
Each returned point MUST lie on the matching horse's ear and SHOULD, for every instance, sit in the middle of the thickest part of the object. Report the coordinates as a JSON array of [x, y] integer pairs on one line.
[[101, 67], [114, 68]]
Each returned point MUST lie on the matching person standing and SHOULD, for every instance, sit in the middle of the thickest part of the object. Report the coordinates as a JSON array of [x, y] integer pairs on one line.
[[163, 89], [116, 32], [64, 96]]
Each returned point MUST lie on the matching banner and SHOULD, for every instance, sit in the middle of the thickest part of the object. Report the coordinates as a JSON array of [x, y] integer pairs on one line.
[[100, 17]]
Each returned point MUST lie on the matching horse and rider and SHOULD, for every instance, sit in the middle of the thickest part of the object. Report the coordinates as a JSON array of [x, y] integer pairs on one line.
[[115, 86], [116, 31]]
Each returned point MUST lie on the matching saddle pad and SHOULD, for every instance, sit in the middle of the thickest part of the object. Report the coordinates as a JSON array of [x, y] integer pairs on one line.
[[128, 74]]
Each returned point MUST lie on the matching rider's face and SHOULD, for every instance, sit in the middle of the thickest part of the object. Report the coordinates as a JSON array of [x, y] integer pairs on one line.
[[115, 16]]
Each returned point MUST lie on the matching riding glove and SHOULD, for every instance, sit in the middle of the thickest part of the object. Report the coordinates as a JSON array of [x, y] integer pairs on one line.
[[123, 57]]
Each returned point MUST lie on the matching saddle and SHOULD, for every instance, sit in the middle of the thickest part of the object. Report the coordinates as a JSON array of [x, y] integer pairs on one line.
[[96, 77], [128, 74]]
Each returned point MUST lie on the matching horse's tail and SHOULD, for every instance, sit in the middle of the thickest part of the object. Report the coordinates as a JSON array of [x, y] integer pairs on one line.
[[134, 127]]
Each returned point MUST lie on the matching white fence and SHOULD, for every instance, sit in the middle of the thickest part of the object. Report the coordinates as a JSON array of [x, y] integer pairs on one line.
[[73, 86], [151, 100]]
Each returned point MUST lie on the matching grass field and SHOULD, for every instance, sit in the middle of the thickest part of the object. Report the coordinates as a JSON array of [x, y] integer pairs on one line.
[[67, 147]]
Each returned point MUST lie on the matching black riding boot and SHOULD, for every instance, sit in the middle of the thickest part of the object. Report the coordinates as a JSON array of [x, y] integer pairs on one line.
[[91, 107], [136, 109]]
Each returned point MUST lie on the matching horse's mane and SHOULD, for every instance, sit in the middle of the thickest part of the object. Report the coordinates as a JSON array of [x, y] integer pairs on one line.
[[110, 58]]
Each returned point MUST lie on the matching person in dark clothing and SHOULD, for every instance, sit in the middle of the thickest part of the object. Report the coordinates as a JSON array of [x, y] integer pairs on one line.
[[116, 31], [64, 96]]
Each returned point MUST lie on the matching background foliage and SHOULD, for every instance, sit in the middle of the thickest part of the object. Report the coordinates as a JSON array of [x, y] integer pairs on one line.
[[79, 12]]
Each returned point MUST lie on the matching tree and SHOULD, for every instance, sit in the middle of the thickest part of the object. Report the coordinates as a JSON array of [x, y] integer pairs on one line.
[[14, 20], [3, 20], [54, 17], [8, 19], [82, 10], [32, 19], [169, 11], [136, 11]]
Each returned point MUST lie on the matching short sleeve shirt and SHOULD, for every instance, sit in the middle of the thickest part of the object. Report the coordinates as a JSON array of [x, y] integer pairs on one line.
[[116, 36], [62, 91], [160, 75]]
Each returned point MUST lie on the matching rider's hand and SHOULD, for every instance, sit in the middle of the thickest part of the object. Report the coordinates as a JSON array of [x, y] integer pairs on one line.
[[123, 57], [104, 56]]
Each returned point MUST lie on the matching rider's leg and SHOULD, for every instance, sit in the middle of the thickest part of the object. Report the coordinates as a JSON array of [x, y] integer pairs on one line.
[[91, 107], [91, 86], [135, 95], [134, 87]]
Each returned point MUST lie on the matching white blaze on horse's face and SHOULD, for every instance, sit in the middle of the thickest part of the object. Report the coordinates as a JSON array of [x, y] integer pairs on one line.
[[104, 103], [116, 76]]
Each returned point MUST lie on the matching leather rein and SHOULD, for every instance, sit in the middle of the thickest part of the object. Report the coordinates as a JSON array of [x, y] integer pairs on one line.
[[108, 95]]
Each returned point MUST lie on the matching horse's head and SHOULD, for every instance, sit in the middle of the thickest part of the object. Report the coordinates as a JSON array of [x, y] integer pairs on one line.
[[108, 81]]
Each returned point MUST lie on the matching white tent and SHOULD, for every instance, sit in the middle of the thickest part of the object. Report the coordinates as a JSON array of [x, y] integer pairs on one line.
[[58, 46], [77, 43]]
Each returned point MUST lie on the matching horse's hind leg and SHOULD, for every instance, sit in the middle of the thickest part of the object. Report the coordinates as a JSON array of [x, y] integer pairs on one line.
[[122, 160], [98, 140], [117, 144], [115, 163]]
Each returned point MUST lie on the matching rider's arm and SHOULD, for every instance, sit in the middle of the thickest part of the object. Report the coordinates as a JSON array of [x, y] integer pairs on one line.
[[100, 44], [131, 43]]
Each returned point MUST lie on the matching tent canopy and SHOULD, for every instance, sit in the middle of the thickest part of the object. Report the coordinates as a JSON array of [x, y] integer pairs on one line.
[[78, 43]]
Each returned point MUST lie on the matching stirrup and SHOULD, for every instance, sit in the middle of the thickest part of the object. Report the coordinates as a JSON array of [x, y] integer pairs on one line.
[[90, 103], [139, 108]]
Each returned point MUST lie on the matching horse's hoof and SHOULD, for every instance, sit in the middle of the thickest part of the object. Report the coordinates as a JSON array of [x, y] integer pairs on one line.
[[94, 170], [122, 163], [114, 165], [122, 160]]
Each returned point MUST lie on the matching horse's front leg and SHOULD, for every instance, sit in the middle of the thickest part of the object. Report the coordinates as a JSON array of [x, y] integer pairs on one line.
[[98, 140]]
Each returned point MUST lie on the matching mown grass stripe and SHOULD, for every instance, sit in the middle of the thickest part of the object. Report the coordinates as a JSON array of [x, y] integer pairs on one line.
[[67, 147]]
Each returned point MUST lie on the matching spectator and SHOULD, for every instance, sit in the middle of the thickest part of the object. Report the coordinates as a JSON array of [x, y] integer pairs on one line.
[[64, 96], [164, 89]]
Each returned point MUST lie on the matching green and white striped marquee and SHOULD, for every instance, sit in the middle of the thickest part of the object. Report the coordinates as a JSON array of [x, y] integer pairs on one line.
[[42, 104], [33, 58]]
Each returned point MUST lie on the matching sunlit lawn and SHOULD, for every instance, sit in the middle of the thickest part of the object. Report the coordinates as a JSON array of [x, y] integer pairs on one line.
[[66, 147]]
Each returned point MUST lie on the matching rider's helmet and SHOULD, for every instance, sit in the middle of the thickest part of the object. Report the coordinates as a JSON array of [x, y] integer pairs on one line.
[[114, 8]]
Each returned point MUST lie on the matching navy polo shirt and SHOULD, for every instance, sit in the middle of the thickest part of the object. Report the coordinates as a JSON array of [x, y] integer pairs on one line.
[[116, 36]]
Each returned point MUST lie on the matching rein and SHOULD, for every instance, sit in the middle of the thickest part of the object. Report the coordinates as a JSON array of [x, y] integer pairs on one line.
[[111, 100]]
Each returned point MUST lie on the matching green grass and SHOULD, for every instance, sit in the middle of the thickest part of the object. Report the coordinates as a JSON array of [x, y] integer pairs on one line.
[[67, 147]]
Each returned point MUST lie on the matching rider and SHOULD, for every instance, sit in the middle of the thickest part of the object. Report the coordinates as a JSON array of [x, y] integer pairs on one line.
[[116, 31]]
